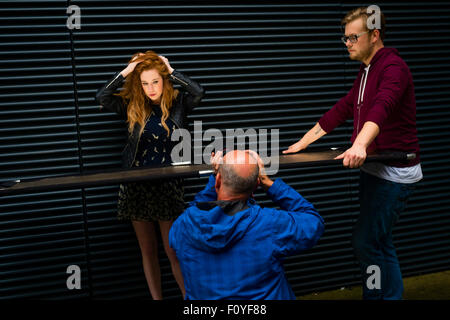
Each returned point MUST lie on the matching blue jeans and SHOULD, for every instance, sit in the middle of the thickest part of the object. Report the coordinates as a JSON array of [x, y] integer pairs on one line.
[[381, 203]]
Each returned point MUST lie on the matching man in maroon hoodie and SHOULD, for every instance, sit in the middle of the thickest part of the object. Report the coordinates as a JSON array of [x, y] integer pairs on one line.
[[383, 107]]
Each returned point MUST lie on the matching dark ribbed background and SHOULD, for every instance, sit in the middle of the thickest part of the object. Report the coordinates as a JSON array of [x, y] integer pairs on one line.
[[264, 65]]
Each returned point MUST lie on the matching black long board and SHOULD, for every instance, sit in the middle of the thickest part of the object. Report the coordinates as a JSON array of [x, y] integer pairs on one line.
[[190, 170]]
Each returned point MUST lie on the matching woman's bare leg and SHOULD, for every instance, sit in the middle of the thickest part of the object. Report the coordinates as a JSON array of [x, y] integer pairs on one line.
[[148, 243], [175, 265]]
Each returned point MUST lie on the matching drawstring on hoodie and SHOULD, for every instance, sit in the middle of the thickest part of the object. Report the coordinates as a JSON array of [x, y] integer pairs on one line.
[[362, 85]]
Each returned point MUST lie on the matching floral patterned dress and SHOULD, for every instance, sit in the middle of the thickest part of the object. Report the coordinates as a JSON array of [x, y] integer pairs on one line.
[[152, 200]]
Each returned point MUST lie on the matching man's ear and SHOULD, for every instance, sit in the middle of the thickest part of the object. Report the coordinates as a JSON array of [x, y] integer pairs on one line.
[[376, 35], [258, 183], [218, 182]]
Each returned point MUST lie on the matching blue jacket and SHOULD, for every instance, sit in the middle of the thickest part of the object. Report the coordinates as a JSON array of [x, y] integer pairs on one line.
[[240, 256]]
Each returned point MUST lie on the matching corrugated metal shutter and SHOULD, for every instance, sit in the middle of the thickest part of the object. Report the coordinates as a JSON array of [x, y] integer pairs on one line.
[[272, 65], [40, 234]]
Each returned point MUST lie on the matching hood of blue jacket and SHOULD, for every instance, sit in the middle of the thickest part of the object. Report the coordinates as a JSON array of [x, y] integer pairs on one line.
[[214, 230]]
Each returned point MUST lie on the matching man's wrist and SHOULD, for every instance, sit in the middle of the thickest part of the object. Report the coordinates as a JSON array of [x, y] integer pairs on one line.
[[266, 183], [361, 144]]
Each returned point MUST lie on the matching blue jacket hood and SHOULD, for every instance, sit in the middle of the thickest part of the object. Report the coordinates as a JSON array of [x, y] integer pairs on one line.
[[214, 230]]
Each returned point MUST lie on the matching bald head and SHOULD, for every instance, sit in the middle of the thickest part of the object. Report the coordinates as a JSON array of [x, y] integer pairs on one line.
[[239, 172], [242, 162]]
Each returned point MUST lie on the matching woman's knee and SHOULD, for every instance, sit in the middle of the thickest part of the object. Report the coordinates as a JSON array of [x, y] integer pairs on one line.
[[170, 252], [149, 249], [146, 237]]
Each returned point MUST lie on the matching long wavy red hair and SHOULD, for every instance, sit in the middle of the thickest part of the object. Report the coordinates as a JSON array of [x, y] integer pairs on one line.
[[139, 105]]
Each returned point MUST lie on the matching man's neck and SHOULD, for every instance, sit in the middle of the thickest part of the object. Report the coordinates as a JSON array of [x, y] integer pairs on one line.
[[374, 52], [227, 197]]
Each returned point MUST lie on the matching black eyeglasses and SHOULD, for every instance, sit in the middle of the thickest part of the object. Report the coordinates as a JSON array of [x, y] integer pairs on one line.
[[353, 38]]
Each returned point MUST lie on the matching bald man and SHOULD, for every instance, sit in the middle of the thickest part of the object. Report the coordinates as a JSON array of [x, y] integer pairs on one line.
[[231, 248]]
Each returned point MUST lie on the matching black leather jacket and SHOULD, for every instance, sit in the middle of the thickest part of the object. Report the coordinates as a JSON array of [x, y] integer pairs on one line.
[[186, 101]]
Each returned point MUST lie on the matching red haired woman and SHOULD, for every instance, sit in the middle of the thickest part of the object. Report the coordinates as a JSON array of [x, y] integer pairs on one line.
[[153, 110]]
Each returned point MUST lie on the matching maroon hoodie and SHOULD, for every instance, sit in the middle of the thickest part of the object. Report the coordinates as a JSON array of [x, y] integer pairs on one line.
[[385, 96]]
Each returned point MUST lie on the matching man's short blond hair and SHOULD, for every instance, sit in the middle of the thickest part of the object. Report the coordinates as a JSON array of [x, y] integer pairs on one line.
[[361, 12]]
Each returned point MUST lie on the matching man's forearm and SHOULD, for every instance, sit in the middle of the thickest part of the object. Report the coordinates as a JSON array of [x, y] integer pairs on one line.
[[356, 155], [266, 183], [208, 193], [312, 135], [368, 133]]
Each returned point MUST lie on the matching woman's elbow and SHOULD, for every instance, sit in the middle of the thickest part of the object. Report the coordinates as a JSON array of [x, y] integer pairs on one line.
[[199, 96]]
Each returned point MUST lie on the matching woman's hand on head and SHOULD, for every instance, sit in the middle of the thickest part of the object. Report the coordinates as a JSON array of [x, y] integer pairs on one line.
[[130, 67], [166, 61]]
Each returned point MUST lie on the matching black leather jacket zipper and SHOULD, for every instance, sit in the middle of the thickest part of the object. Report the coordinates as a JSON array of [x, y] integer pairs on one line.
[[178, 79]]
